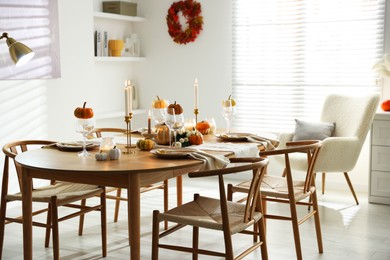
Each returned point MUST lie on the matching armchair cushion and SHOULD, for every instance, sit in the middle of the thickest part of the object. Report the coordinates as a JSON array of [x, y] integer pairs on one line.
[[312, 130]]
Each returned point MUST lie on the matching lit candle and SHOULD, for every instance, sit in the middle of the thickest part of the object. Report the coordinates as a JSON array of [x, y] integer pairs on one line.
[[149, 123], [196, 93]]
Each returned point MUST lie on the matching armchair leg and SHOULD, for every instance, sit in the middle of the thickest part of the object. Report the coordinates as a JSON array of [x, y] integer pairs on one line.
[[351, 187], [155, 235], [195, 242]]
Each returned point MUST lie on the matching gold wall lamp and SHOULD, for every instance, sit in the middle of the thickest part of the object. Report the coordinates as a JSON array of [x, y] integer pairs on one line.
[[20, 53]]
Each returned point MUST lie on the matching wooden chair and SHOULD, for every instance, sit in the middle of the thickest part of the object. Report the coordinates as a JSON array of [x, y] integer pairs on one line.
[[287, 190], [99, 132], [56, 194], [218, 214]]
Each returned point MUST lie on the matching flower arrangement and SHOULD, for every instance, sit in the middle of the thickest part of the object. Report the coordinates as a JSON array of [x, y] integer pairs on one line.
[[383, 67], [190, 10]]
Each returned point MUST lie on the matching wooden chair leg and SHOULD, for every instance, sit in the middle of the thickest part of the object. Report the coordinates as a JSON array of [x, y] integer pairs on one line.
[[117, 204], [48, 226], [323, 182], [2, 223], [351, 187], [295, 227], [195, 242], [103, 222], [155, 235], [81, 221], [317, 222], [262, 237], [166, 202], [54, 219]]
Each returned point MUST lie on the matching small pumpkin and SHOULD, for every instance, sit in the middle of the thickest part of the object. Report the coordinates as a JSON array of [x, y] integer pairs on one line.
[[195, 138], [386, 105], [229, 102], [145, 144], [203, 127], [159, 103], [83, 112], [162, 134], [114, 153], [102, 156], [177, 108]]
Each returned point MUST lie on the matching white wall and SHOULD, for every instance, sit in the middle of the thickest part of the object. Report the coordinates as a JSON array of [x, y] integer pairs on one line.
[[44, 108]]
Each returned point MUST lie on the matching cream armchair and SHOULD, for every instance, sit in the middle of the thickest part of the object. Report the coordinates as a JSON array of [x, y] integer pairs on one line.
[[353, 116]]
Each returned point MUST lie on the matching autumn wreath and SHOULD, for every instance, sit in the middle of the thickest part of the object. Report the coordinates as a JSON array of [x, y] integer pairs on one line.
[[190, 10]]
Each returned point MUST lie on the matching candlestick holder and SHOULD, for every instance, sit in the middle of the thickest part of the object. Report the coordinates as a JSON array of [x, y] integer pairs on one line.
[[128, 133], [196, 112]]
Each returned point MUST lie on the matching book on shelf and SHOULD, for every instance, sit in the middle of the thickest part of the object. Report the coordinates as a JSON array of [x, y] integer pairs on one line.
[[98, 43], [105, 43]]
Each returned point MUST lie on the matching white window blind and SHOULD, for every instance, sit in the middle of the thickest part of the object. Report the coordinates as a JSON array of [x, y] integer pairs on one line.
[[289, 54]]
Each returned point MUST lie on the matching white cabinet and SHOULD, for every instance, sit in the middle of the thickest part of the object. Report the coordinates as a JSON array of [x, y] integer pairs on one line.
[[379, 191]]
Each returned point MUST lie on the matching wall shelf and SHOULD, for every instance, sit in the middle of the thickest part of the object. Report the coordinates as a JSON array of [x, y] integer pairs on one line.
[[119, 17], [115, 59]]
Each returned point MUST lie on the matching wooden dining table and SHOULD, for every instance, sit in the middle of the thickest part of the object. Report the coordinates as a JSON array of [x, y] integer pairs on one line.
[[131, 171]]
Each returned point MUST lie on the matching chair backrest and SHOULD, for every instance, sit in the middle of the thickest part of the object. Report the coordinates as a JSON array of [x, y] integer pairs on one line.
[[14, 148], [353, 115], [237, 165], [310, 148], [99, 131]]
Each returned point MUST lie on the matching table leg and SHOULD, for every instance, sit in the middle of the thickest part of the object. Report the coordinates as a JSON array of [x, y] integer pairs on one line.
[[27, 215], [134, 215], [179, 190]]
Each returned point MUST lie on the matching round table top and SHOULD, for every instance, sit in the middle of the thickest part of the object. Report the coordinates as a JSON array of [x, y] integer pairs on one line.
[[139, 161]]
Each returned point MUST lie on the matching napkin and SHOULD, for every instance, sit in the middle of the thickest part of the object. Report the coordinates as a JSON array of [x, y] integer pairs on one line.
[[211, 162], [269, 143], [239, 149]]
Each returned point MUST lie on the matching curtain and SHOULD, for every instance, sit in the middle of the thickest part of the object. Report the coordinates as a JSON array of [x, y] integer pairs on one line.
[[288, 55]]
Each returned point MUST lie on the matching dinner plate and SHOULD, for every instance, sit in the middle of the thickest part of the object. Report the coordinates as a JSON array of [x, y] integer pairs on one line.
[[75, 146], [172, 153], [233, 137]]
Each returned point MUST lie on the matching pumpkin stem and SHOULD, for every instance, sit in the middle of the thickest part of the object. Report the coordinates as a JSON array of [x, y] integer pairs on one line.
[[158, 98], [114, 147], [230, 97], [85, 103]]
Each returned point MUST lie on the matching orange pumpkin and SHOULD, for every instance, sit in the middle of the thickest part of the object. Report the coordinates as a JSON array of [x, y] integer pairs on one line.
[[203, 127], [83, 112], [159, 103], [175, 107], [386, 105], [196, 138]]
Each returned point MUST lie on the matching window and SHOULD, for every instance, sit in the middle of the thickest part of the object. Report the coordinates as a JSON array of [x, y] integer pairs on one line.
[[289, 54]]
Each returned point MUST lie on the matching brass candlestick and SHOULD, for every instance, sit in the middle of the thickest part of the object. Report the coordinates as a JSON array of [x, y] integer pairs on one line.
[[196, 112], [128, 133]]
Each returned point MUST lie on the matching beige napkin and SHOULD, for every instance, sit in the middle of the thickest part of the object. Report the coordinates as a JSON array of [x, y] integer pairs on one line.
[[269, 144], [211, 162]]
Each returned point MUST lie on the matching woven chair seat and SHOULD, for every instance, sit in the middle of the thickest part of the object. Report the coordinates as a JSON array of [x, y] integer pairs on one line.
[[208, 215], [65, 192]]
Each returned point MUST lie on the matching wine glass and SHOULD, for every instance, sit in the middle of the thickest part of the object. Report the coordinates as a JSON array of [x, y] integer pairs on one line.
[[159, 114], [228, 112], [174, 122], [85, 127]]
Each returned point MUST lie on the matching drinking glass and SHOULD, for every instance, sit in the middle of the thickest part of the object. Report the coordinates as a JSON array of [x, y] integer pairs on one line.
[[159, 114], [174, 122], [228, 112], [85, 127]]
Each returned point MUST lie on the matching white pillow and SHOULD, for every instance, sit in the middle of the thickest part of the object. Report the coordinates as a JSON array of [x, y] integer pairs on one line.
[[312, 130]]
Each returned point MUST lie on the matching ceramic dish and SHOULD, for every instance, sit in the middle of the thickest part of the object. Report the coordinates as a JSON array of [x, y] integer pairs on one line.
[[233, 137], [75, 147], [172, 153]]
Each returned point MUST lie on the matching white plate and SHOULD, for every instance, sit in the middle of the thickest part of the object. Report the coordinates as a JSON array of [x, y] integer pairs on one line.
[[172, 153]]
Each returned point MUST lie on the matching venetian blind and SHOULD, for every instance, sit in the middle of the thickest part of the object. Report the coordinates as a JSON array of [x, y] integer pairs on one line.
[[289, 54]]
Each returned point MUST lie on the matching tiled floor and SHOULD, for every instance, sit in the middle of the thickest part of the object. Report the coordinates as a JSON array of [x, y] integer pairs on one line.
[[349, 231]]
